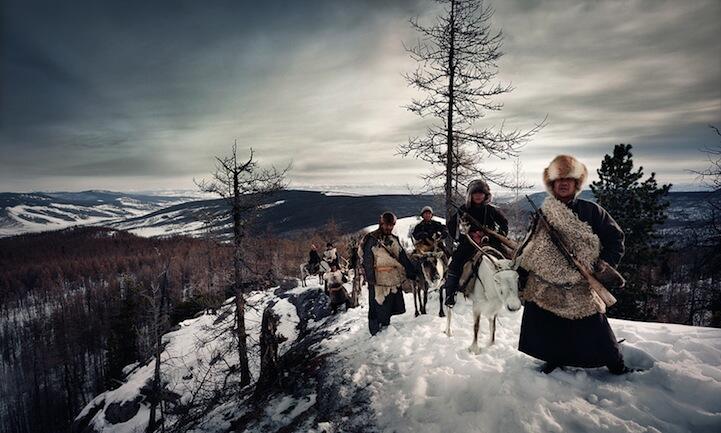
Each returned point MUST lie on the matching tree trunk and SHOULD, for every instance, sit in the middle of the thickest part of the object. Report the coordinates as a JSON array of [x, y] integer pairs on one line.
[[158, 312], [449, 125], [270, 371], [239, 295]]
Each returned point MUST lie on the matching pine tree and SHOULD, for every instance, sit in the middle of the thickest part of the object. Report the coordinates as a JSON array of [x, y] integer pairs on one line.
[[638, 207]]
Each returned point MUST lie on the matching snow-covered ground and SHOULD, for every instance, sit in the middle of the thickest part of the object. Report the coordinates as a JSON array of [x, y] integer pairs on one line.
[[423, 381], [419, 380]]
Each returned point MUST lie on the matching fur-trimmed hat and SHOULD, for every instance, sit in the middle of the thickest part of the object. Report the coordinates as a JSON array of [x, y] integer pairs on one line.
[[426, 209], [478, 185], [565, 166], [388, 218]]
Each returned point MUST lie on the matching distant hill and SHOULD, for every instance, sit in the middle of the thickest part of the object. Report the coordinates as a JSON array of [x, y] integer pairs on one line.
[[286, 213]]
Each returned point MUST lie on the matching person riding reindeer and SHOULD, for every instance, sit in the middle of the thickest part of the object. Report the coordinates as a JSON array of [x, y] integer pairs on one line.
[[572, 246], [428, 228], [313, 259], [478, 207]]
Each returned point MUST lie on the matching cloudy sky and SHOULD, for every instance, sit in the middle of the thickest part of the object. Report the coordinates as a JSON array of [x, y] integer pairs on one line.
[[140, 95]]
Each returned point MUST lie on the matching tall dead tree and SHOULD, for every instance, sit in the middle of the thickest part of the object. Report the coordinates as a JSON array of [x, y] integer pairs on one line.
[[158, 300], [457, 57], [244, 185]]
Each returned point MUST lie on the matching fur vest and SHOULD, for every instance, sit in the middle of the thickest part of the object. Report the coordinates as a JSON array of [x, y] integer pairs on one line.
[[553, 283], [389, 271]]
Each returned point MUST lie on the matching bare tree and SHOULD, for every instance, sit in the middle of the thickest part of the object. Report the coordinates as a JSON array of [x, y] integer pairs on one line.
[[243, 185], [158, 300], [518, 185], [457, 58]]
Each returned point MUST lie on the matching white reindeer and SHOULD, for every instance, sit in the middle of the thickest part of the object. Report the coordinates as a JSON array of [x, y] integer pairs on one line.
[[495, 288]]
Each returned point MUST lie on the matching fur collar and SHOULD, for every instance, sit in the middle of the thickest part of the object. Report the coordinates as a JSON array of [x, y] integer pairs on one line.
[[556, 285]]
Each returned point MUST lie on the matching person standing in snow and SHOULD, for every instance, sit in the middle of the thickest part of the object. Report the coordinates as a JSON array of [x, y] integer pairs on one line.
[[563, 320], [336, 291], [386, 267], [478, 205], [330, 255]]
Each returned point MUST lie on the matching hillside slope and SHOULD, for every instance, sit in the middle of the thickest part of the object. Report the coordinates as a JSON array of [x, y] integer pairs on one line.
[[413, 378]]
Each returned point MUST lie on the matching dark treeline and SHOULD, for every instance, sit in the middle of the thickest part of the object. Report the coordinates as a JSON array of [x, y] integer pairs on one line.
[[74, 312], [75, 308]]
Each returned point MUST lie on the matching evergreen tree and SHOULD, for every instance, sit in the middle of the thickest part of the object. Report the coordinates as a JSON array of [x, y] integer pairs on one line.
[[638, 207]]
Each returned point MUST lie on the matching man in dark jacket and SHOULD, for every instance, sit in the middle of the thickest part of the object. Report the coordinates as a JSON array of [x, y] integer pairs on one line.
[[564, 322], [386, 266], [478, 206], [313, 259], [429, 228]]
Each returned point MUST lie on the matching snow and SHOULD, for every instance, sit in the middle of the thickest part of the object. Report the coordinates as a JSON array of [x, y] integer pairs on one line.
[[423, 381], [420, 380]]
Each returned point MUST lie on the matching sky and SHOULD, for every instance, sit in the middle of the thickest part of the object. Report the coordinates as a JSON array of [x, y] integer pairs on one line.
[[138, 95]]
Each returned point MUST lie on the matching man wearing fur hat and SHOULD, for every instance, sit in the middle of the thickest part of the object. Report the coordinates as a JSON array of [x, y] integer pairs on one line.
[[478, 205], [564, 321], [386, 267]]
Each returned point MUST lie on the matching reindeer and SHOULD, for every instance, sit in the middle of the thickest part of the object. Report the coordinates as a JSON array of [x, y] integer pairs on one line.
[[433, 264], [495, 287], [305, 272]]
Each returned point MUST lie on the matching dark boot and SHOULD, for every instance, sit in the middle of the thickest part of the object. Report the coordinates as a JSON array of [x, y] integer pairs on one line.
[[451, 287]]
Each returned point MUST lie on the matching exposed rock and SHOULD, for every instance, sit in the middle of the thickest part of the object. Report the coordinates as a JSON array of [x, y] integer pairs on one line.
[[117, 413]]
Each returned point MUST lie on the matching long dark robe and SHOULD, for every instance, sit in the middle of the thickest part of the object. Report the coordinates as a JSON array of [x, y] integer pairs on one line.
[[588, 342], [379, 315]]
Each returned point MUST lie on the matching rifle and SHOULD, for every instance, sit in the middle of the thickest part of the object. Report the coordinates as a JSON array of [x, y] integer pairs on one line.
[[502, 239], [596, 287]]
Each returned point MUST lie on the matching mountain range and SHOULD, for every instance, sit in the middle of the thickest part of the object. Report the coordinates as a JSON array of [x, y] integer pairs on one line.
[[286, 213]]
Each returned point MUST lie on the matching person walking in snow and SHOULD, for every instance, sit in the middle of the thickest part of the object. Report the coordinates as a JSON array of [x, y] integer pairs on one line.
[[330, 255], [336, 291], [478, 205], [386, 267], [563, 320]]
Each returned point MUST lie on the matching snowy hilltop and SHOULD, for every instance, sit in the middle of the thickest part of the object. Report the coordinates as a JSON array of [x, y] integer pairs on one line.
[[413, 378]]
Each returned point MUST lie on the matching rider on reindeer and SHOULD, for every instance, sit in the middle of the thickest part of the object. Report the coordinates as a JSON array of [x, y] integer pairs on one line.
[[478, 205]]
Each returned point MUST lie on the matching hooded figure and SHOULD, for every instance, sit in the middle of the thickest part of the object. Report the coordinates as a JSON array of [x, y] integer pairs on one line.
[[478, 205], [563, 320], [386, 267]]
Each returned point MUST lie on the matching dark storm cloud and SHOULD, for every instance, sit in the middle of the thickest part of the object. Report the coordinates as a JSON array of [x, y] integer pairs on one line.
[[95, 93]]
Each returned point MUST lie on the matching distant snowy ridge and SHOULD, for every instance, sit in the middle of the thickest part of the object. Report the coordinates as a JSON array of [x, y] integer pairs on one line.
[[413, 378], [36, 212]]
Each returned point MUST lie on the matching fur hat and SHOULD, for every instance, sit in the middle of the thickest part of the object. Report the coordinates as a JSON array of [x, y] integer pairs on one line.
[[565, 166], [388, 218], [426, 209], [478, 185]]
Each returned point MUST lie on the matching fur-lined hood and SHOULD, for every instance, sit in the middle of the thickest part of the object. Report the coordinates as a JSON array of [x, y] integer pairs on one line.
[[565, 166], [478, 185]]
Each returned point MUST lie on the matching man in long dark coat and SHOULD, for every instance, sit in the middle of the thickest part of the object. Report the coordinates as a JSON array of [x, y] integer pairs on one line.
[[478, 205], [385, 266], [564, 322]]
